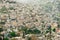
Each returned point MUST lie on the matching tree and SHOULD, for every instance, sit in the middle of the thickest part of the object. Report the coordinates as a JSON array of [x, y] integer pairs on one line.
[[11, 8], [1, 29], [4, 10], [2, 22], [5, 38], [12, 34], [36, 31], [49, 31]]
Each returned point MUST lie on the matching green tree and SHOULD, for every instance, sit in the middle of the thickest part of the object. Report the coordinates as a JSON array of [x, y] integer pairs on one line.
[[4, 10], [13, 34], [5, 38]]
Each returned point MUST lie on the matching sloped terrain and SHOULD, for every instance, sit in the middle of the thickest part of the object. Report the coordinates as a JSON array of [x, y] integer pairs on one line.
[[19, 21]]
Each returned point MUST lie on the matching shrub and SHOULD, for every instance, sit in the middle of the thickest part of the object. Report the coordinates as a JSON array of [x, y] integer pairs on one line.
[[1, 29], [13, 34], [5, 38]]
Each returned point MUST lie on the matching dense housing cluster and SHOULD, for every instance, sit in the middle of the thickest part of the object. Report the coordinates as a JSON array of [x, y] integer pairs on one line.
[[20, 21]]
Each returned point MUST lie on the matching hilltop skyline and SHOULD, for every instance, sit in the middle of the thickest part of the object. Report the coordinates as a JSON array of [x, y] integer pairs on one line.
[[34, 1]]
